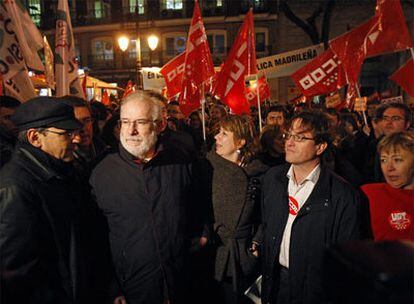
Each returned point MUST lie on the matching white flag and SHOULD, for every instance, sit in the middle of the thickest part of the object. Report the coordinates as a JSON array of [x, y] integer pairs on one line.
[[12, 66], [27, 33], [66, 67], [49, 64], [20, 86]]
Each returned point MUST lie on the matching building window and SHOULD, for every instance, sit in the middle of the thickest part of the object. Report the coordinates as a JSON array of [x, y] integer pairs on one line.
[[136, 4], [132, 49], [101, 9], [217, 43], [35, 11], [175, 45], [103, 49], [262, 38], [212, 4], [172, 4], [260, 42]]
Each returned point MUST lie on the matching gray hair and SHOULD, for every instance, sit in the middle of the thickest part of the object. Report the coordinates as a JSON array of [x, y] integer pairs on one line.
[[22, 135], [141, 97]]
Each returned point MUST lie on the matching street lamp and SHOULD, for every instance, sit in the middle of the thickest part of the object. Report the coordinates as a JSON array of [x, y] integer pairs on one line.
[[123, 43]]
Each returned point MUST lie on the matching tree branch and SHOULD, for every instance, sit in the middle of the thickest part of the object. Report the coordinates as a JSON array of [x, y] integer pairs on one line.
[[308, 28]]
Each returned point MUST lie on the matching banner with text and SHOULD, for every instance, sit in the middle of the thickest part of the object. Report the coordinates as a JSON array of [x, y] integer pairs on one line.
[[285, 64]]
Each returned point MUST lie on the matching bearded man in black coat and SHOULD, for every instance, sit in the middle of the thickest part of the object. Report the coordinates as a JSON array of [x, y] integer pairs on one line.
[[142, 190]]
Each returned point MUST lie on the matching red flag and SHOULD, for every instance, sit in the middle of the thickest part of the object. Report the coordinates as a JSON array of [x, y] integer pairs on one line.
[[392, 33], [105, 98], [384, 33], [173, 73], [264, 91], [404, 77], [198, 66], [240, 62], [323, 75], [128, 89]]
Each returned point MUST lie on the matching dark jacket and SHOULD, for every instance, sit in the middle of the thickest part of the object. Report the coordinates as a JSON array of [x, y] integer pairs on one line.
[[235, 197], [38, 230], [145, 206], [329, 216]]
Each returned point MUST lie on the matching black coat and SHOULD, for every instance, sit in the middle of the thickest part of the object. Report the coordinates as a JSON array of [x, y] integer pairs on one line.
[[145, 206], [38, 230], [235, 198], [329, 216]]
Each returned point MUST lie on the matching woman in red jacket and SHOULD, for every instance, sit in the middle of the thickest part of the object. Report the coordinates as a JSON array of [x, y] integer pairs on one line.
[[392, 203]]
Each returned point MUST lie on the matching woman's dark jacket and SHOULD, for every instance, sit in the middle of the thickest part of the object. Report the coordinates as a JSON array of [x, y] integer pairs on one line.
[[145, 206], [39, 260], [235, 197], [330, 215]]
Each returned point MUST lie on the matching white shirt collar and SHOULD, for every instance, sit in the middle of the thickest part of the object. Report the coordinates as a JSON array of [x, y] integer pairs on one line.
[[313, 176]]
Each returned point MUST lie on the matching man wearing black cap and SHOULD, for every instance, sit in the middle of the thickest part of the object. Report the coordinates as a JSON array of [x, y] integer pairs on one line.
[[39, 207]]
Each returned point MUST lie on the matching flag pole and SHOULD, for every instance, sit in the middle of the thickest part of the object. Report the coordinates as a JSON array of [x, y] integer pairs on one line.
[[412, 52], [259, 110], [203, 111]]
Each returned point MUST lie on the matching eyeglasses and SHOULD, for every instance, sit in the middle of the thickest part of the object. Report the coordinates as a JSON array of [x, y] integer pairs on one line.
[[68, 133], [139, 123], [296, 137], [392, 118]]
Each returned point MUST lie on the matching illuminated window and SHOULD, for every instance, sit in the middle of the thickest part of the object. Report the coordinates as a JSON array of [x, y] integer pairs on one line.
[[172, 4], [101, 9], [35, 11], [134, 4]]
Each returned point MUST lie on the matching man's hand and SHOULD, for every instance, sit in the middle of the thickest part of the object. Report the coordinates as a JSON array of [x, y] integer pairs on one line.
[[254, 249], [120, 300]]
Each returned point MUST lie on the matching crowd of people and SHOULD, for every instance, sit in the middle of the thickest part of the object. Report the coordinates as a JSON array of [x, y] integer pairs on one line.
[[139, 204]]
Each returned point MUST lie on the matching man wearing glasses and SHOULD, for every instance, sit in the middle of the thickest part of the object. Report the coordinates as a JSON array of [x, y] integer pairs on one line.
[[142, 190], [392, 118], [39, 207], [306, 208]]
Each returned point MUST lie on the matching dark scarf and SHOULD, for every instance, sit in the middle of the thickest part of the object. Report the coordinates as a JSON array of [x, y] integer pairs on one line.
[[63, 169]]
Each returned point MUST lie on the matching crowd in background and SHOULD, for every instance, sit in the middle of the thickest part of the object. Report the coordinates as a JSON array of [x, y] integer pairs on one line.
[[229, 159]]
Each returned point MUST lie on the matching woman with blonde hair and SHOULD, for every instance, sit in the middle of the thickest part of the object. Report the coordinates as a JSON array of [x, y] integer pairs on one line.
[[232, 178], [391, 204]]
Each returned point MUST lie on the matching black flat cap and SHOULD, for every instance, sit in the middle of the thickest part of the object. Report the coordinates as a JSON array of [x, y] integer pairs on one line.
[[45, 112]]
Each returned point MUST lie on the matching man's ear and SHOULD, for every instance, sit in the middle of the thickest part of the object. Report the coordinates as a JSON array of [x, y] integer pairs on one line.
[[33, 138], [321, 147]]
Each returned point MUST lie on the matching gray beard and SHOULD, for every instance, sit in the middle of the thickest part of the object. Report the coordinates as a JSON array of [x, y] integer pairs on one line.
[[143, 148]]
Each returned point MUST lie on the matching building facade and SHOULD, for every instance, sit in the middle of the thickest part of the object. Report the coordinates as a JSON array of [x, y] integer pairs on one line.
[[98, 24]]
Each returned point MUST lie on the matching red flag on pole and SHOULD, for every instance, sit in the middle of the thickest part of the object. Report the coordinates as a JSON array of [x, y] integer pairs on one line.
[[392, 33], [128, 89], [404, 77], [385, 32], [264, 91], [105, 98], [198, 66], [173, 73], [240, 62], [323, 75]]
